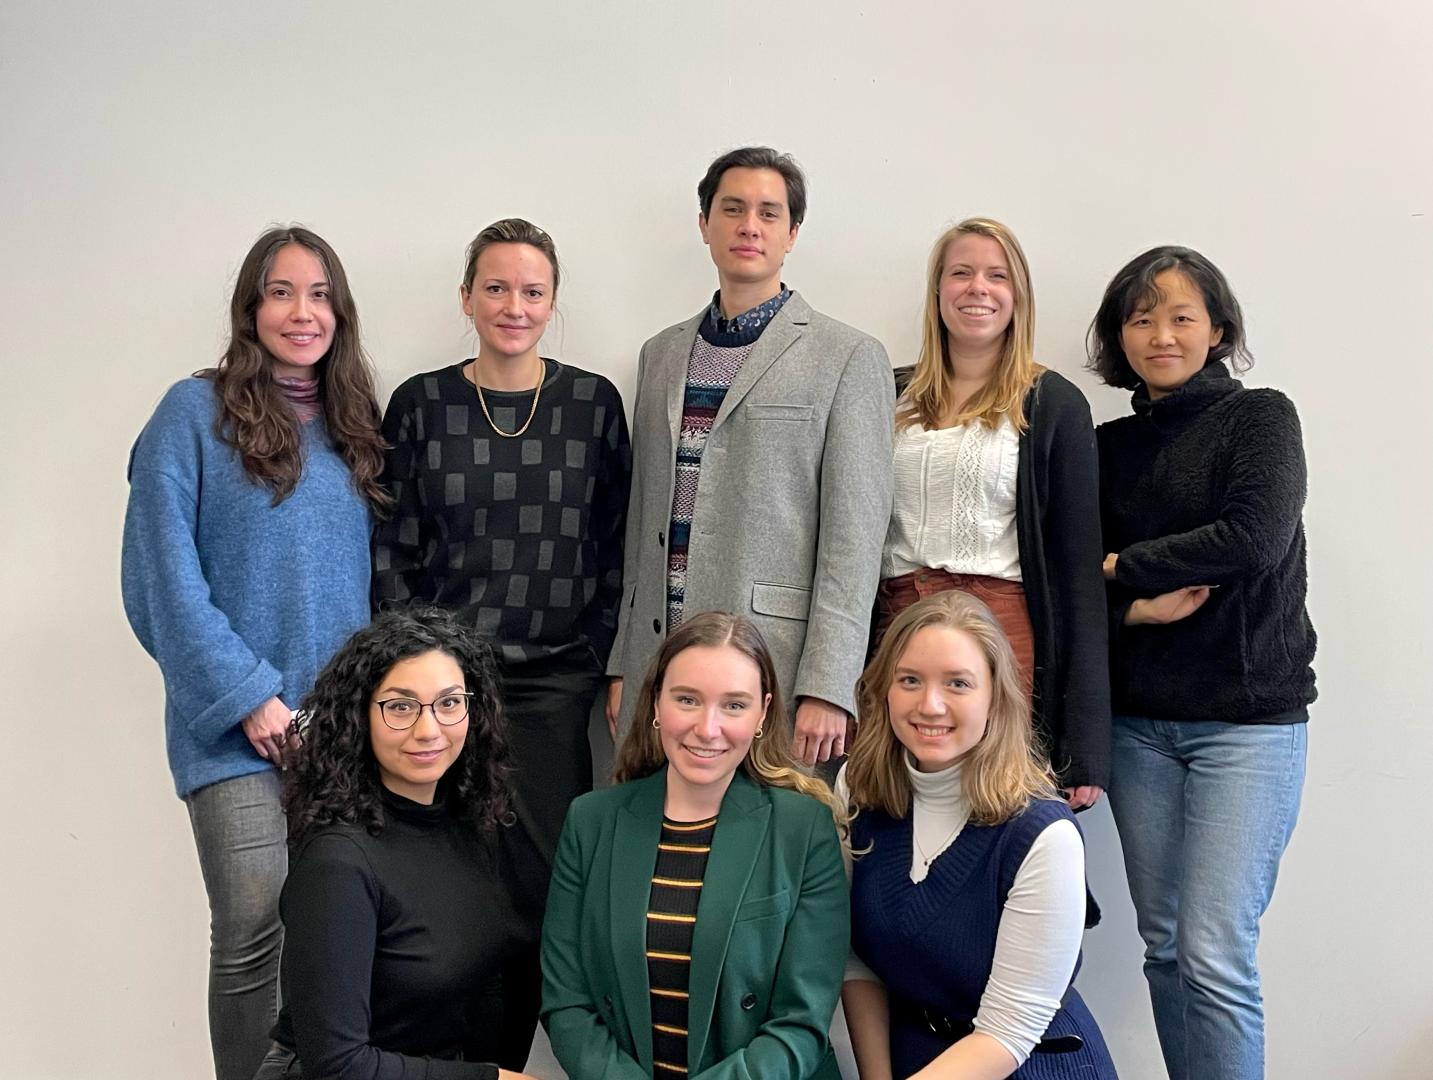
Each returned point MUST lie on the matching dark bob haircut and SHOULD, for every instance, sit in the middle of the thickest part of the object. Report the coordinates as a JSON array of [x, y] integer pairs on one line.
[[757, 157], [334, 779], [1133, 289]]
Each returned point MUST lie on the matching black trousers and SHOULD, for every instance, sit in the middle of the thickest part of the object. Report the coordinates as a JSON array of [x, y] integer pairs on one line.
[[547, 704]]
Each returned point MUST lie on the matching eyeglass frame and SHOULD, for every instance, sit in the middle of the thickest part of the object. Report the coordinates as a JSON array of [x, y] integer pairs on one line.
[[431, 706]]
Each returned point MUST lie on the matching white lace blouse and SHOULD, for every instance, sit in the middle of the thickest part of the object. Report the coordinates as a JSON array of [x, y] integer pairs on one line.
[[954, 503]]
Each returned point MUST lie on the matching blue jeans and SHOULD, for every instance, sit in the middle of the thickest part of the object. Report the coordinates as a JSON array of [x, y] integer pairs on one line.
[[1204, 811], [242, 837]]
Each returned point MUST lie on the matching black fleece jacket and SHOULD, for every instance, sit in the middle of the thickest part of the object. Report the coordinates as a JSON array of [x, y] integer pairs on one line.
[[1206, 486]]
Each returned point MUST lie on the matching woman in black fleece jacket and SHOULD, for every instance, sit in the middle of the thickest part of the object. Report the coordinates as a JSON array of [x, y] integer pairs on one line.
[[1201, 494]]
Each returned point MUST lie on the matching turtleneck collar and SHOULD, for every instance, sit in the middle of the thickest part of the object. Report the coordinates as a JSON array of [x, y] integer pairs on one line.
[[415, 813], [302, 396], [941, 792], [1206, 386]]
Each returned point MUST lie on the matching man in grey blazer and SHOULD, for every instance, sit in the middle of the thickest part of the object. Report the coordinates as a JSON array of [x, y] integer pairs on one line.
[[761, 484]]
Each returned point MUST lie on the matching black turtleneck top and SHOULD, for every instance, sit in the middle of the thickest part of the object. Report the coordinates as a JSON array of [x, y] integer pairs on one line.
[[392, 947], [1206, 487]]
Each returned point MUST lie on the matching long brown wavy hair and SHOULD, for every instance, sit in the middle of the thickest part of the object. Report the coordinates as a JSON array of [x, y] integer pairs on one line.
[[256, 420], [769, 760], [1002, 773], [928, 399]]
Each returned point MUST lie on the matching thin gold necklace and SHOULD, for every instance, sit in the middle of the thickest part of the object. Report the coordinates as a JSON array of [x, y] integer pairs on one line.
[[536, 394], [939, 850]]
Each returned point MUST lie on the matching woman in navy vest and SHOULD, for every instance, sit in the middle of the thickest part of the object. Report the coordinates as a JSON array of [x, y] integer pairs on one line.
[[1201, 495], [968, 871]]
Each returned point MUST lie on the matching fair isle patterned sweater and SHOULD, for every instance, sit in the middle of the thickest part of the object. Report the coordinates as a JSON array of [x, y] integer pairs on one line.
[[721, 347]]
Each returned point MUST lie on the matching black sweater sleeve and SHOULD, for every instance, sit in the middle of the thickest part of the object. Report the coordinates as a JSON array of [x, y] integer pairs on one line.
[[1073, 555], [1264, 490], [608, 524], [331, 906], [398, 542]]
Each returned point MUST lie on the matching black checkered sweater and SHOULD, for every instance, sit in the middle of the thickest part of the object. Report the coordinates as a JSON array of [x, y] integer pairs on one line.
[[521, 536]]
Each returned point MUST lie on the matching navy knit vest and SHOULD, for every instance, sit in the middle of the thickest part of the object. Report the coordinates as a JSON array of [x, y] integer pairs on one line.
[[933, 943]]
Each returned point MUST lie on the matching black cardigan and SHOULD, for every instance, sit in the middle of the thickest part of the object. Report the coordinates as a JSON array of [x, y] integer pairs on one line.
[[1057, 525], [1206, 486]]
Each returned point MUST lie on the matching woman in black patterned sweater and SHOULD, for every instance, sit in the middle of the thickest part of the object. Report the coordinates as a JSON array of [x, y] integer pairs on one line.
[[510, 475], [1202, 493]]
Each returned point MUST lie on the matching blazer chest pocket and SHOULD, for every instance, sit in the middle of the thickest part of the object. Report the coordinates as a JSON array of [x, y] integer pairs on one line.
[[762, 906], [756, 411], [782, 601]]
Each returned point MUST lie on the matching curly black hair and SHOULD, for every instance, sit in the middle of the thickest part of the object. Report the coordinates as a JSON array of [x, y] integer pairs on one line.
[[333, 778], [1133, 289]]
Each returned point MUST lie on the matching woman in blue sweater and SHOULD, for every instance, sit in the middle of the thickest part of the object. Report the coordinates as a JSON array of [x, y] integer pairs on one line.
[[245, 566]]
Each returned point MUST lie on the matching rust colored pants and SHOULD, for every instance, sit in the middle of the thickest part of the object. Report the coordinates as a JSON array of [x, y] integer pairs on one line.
[[1005, 599]]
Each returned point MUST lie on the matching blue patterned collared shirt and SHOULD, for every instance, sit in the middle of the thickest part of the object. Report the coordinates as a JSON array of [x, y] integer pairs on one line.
[[749, 323]]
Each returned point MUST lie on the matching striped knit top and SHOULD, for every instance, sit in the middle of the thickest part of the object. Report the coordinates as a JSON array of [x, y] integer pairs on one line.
[[718, 353], [682, 854]]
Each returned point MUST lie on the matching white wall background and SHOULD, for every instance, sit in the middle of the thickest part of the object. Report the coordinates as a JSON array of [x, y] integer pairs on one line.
[[144, 146]]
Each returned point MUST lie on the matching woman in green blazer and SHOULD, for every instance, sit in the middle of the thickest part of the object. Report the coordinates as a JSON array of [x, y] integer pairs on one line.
[[698, 918]]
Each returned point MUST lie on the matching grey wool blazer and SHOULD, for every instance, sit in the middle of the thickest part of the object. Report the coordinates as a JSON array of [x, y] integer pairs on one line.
[[792, 503]]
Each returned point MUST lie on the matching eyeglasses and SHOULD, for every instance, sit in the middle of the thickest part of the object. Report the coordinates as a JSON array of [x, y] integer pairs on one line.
[[401, 713]]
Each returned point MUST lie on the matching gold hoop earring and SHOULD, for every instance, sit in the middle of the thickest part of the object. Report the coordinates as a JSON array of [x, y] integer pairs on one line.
[[655, 724], [758, 733]]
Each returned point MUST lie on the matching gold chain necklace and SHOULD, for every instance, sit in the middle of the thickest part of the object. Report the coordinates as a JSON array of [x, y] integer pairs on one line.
[[939, 850], [536, 394]]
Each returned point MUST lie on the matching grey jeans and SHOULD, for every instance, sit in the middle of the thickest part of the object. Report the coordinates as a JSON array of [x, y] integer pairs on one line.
[[242, 838]]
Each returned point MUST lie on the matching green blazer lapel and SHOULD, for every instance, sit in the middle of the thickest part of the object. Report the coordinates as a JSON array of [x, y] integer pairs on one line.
[[676, 355], [741, 828], [780, 334], [634, 855]]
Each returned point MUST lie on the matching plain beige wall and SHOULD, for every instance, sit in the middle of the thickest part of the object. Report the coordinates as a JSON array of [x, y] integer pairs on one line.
[[144, 146]]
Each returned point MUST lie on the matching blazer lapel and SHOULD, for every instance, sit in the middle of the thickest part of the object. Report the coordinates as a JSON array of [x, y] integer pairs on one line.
[[677, 353], [634, 855], [780, 334], [741, 828]]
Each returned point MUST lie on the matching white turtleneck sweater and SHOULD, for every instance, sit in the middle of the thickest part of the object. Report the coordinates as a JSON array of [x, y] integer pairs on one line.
[[1041, 926]]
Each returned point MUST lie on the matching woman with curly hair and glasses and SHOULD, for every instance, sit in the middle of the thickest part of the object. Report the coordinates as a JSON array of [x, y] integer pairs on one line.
[[968, 898], [697, 919], [245, 566], [397, 923]]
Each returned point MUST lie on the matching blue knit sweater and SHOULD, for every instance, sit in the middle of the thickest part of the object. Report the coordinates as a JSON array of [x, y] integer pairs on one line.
[[237, 599]]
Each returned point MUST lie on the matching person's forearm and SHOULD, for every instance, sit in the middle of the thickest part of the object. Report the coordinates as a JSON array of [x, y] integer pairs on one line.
[[868, 1019], [975, 1057]]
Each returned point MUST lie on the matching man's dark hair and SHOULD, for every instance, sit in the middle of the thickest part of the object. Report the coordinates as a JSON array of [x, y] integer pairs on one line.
[[757, 157]]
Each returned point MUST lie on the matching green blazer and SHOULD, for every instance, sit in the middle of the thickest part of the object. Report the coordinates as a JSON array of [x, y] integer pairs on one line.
[[772, 935]]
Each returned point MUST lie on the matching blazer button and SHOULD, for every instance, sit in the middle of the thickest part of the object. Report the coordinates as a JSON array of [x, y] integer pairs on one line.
[[656, 626], [661, 539], [748, 1002]]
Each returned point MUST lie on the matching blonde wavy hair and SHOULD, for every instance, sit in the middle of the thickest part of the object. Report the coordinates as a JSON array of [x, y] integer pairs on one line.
[[928, 397], [1002, 773], [769, 760]]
